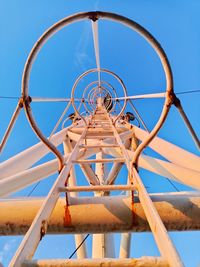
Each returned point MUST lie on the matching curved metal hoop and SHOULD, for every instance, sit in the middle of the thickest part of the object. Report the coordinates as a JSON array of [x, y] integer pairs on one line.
[[94, 16], [102, 70], [102, 83]]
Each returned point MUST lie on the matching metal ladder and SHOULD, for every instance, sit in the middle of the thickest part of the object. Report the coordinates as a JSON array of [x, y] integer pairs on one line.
[[100, 119]]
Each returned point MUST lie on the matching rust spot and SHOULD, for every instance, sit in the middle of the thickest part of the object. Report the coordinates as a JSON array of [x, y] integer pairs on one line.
[[67, 216], [133, 209]]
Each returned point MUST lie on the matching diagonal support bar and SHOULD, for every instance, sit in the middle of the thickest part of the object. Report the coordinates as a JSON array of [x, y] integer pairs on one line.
[[165, 245], [38, 228], [96, 47]]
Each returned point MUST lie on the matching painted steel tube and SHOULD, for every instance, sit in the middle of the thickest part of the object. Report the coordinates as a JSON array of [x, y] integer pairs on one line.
[[108, 262], [178, 211]]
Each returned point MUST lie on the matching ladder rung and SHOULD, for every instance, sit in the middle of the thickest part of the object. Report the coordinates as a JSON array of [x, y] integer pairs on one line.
[[143, 261], [100, 127], [86, 161], [97, 146], [98, 136], [97, 188]]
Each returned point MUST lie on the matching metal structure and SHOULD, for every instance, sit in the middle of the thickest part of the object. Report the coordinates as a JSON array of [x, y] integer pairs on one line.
[[100, 142]]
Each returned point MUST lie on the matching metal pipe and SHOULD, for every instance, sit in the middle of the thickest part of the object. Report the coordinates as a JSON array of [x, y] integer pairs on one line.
[[139, 117], [55, 99], [179, 156], [60, 119], [156, 95], [39, 225], [178, 105], [96, 48], [11, 124], [178, 211], [28, 157], [97, 188], [137, 262], [79, 238], [102, 70], [125, 245], [38, 132]]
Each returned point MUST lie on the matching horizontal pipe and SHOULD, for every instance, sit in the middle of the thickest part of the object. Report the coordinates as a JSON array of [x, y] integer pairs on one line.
[[49, 99], [178, 211], [97, 188], [90, 161], [157, 95], [139, 262]]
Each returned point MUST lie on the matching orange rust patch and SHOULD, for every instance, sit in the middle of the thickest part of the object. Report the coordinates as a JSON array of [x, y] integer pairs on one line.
[[67, 217], [133, 208]]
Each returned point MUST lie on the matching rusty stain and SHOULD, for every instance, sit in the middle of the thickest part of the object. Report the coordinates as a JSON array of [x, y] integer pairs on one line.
[[134, 221], [67, 216]]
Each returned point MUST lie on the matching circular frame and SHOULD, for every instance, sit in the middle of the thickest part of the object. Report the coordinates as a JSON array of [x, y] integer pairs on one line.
[[101, 70], [95, 16], [104, 83]]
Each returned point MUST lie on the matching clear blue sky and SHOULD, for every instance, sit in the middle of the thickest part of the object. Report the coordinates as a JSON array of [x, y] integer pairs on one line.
[[175, 24]]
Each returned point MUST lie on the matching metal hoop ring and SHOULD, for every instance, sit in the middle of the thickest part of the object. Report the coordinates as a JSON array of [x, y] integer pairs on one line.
[[94, 16]]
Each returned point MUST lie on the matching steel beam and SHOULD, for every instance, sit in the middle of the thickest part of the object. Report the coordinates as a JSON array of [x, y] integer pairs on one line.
[[165, 148], [178, 211], [39, 225], [82, 251], [139, 262], [28, 157]]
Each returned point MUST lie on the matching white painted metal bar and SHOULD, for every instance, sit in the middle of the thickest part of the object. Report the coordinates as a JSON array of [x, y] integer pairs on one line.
[[106, 262], [125, 245], [54, 99], [89, 174], [96, 47], [138, 115], [184, 175], [124, 136], [172, 171], [20, 180], [167, 249], [97, 188], [97, 146], [114, 172], [60, 119], [165, 245], [28, 157], [123, 149], [86, 161], [25, 178], [115, 214], [103, 246], [188, 124], [157, 95], [165, 148], [10, 126], [99, 136], [32, 238], [99, 244], [79, 238]]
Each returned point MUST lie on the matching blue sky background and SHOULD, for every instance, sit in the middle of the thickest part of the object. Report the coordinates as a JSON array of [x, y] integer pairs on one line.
[[70, 52]]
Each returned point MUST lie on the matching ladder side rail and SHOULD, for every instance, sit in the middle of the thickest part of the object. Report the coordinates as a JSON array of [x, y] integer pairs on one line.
[[32, 238], [165, 245]]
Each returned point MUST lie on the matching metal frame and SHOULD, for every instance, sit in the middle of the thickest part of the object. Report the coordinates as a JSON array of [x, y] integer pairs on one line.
[[87, 143]]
